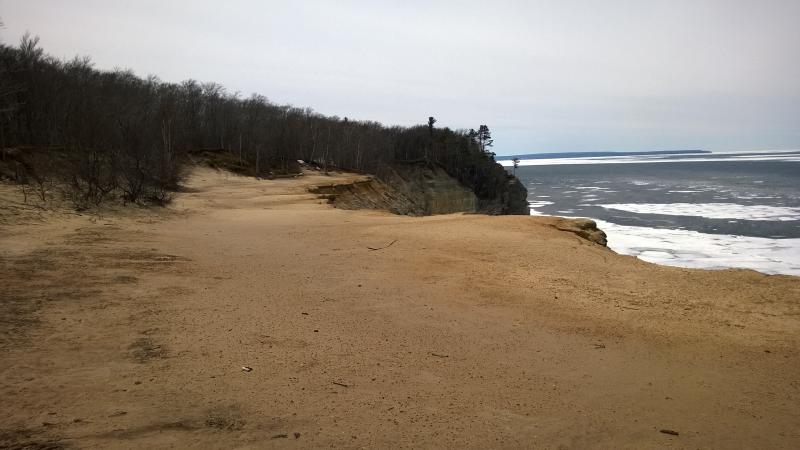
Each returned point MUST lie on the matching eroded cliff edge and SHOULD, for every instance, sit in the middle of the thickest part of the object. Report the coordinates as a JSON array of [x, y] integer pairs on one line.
[[420, 190], [424, 190]]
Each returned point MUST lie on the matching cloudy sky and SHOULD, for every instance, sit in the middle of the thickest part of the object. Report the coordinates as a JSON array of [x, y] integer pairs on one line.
[[557, 75]]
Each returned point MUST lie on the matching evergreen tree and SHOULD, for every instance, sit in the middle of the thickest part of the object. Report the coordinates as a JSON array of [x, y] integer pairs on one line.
[[484, 138]]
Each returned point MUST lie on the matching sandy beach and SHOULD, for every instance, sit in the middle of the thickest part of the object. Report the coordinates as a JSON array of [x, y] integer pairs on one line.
[[252, 314]]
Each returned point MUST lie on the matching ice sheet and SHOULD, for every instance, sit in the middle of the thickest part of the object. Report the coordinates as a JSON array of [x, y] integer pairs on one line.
[[685, 248], [692, 249]]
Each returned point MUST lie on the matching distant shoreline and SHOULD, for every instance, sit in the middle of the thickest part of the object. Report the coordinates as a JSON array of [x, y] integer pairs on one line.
[[597, 154], [592, 154], [652, 157]]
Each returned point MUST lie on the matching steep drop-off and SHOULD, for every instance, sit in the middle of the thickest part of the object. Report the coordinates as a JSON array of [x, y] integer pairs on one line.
[[500, 193], [413, 191], [417, 190]]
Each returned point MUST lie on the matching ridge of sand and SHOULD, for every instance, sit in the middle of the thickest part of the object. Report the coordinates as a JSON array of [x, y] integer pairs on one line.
[[130, 330]]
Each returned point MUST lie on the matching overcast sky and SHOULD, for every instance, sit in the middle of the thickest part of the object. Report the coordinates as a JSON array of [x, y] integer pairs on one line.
[[559, 75]]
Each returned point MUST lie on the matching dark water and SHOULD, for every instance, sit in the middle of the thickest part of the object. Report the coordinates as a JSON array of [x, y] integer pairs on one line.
[[763, 189], [702, 211]]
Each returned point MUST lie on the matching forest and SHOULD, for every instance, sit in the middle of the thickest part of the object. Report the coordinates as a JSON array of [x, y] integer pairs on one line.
[[114, 135]]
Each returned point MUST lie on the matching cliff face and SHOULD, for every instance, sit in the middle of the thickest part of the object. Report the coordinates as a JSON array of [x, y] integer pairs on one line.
[[413, 191], [420, 190], [517, 198], [511, 198], [432, 189]]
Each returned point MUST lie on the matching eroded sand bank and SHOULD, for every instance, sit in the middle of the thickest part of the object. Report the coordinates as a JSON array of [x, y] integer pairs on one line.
[[130, 330]]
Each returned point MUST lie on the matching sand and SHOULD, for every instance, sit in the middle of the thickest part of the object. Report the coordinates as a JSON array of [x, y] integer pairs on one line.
[[130, 329]]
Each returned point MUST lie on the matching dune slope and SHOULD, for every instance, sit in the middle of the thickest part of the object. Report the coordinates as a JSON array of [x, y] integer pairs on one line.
[[252, 314]]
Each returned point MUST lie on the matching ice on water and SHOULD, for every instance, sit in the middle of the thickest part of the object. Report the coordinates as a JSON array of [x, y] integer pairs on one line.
[[686, 248], [744, 213], [712, 210]]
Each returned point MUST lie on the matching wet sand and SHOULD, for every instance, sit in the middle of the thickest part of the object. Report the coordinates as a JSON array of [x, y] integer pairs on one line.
[[131, 328]]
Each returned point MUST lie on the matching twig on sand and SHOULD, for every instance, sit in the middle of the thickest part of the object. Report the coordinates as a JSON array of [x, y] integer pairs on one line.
[[385, 246], [670, 432], [340, 384], [439, 355]]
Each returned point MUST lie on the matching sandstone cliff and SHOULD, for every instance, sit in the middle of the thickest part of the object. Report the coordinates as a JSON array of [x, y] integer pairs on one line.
[[420, 190], [409, 191]]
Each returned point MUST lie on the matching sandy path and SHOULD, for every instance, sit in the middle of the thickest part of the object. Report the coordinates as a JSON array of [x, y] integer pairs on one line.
[[131, 330]]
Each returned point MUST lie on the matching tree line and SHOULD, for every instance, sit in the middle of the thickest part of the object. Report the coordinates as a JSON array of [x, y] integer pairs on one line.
[[112, 133]]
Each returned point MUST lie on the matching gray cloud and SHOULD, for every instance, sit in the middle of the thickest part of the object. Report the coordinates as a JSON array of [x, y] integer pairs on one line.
[[545, 75]]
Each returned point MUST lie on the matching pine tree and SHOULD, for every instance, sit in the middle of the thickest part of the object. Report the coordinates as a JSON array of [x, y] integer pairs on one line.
[[484, 138]]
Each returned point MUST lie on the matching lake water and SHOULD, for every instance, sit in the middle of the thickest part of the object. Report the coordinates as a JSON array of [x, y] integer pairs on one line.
[[712, 211]]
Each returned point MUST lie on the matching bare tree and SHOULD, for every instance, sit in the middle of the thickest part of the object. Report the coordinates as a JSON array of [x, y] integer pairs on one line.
[[121, 136]]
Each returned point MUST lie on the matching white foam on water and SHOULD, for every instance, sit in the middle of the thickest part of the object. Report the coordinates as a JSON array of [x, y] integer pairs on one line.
[[712, 210], [692, 249], [757, 197], [538, 204]]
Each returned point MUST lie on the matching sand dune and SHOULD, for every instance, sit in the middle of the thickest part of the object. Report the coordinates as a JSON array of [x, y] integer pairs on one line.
[[130, 329]]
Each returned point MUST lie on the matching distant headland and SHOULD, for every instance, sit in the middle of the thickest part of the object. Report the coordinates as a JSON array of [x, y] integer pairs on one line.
[[597, 154]]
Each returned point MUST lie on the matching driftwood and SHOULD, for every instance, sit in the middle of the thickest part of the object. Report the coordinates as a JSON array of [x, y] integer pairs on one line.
[[385, 246]]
